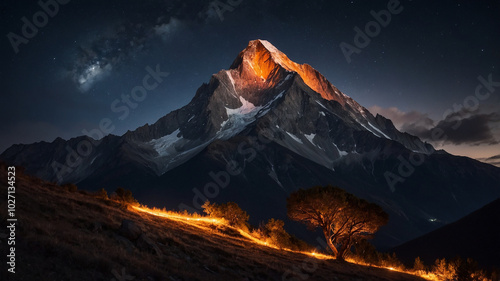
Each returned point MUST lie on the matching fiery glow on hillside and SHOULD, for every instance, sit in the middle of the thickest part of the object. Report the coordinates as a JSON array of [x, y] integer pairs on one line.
[[201, 223]]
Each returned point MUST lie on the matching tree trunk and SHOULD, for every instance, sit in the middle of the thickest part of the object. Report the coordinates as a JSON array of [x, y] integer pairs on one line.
[[341, 253], [346, 245], [326, 232]]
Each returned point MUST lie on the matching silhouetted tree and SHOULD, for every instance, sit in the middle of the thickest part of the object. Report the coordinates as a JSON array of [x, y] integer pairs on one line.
[[343, 217]]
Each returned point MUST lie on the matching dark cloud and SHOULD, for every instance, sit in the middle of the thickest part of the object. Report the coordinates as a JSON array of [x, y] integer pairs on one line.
[[497, 157], [465, 128], [458, 128]]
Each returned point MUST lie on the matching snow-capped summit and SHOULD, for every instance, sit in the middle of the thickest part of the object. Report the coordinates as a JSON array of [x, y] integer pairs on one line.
[[263, 60]]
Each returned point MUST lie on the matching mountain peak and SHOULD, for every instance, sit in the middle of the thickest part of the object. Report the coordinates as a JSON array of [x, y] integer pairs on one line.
[[264, 46], [261, 59], [270, 47]]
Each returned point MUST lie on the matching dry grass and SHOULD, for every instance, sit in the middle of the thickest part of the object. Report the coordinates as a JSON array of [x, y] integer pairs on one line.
[[65, 235]]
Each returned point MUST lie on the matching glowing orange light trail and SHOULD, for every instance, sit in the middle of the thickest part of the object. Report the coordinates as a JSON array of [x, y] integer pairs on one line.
[[193, 220]]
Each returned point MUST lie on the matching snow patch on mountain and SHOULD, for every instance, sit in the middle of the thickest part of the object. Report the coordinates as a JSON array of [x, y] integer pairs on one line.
[[165, 144], [284, 80], [318, 102], [369, 130], [294, 137], [267, 107], [238, 119], [379, 131], [310, 137], [93, 159], [165, 161], [274, 176], [341, 152], [232, 80], [246, 108], [270, 47]]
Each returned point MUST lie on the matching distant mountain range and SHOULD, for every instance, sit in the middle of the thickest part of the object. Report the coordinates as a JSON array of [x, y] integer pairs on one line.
[[263, 128]]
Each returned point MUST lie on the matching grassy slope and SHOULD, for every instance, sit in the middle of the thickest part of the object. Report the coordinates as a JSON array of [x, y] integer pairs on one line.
[[66, 235]]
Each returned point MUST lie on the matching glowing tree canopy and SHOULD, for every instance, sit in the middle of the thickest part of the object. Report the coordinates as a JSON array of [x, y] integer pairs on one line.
[[343, 217]]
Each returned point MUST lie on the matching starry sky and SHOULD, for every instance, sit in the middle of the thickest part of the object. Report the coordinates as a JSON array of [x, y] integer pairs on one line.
[[433, 65]]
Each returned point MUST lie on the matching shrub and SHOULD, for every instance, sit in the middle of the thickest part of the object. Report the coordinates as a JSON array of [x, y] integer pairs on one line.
[[468, 270], [125, 196], [274, 232], [102, 194], [418, 265], [300, 245], [71, 187], [444, 269], [229, 211], [365, 252], [388, 260]]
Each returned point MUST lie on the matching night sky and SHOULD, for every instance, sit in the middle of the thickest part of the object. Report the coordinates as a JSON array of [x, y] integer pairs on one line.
[[421, 69]]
